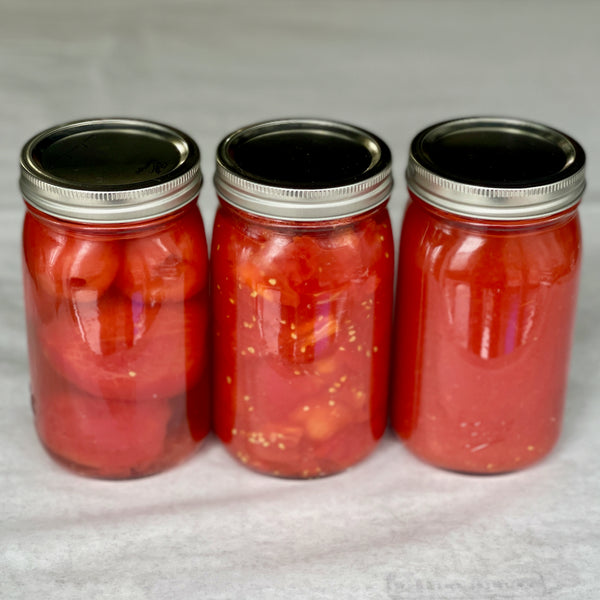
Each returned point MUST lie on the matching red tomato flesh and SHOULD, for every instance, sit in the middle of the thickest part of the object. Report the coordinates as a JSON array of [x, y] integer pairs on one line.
[[110, 438], [120, 381], [121, 349], [69, 265], [166, 265], [301, 341], [484, 323]]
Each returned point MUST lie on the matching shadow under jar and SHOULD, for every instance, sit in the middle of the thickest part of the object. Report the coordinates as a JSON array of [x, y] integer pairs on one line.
[[488, 275], [115, 268], [302, 278]]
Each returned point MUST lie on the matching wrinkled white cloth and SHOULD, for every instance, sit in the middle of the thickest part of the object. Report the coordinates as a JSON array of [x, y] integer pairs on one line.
[[392, 527]]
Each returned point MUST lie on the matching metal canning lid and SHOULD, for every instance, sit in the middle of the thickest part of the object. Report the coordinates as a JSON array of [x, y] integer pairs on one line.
[[110, 170], [303, 170], [496, 168]]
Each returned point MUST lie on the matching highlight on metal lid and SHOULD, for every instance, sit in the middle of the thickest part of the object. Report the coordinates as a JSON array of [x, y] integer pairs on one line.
[[110, 170], [496, 168], [303, 169]]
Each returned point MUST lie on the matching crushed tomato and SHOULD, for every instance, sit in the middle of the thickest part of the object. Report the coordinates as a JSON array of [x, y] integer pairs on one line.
[[484, 323]]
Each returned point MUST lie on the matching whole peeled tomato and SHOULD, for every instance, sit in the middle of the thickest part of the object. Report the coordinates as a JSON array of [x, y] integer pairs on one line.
[[103, 437], [68, 264], [168, 265], [124, 349]]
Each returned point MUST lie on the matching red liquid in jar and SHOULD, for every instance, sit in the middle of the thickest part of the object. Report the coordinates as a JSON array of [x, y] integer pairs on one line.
[[485, 315], [301, 340], [117, 328]]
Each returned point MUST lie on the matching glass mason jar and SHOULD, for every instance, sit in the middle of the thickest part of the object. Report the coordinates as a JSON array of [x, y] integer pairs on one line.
[[489, 264], [302, 283], [115, 278]]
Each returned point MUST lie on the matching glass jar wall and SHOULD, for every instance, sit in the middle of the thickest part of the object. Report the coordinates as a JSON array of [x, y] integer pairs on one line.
[[489, 265], [302, 277], [115, 270]]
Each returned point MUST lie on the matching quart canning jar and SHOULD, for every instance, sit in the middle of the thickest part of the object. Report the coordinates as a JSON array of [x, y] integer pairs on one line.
[[115, 277], [302, 277], [488, 274]]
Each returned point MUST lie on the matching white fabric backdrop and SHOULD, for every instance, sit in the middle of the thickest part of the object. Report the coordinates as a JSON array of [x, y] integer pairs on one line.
[[391, 528]]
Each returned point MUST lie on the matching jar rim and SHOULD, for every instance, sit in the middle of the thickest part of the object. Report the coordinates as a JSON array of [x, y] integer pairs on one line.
[[496, 168], [110, 170], [302, 169]]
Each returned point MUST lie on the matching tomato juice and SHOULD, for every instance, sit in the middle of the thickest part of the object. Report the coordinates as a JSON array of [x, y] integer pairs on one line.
[[488, 273], [485, 341]]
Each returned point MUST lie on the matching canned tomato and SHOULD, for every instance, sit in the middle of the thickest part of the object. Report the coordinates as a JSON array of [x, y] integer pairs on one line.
[[115, 278], [489, 264], [302, 278]]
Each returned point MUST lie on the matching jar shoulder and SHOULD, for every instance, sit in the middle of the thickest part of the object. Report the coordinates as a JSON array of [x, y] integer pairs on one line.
[[542, 251]]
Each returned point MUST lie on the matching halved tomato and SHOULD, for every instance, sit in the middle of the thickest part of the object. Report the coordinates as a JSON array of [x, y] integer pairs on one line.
[[69, 264], [128, 350]]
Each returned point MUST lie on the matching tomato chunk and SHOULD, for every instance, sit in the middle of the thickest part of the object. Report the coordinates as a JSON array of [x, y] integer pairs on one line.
[[301, 336]]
